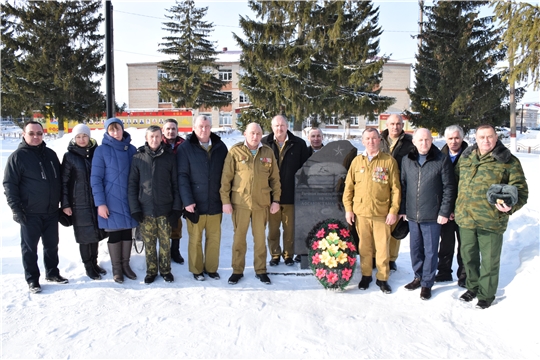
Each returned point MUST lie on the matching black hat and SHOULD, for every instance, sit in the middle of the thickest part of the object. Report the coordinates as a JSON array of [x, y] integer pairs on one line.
[[502, 193], [192, 216], [401, 230], [64, 219]]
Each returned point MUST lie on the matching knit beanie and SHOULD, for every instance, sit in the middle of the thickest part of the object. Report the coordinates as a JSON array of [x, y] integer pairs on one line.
[[81, 129], [113, 120]]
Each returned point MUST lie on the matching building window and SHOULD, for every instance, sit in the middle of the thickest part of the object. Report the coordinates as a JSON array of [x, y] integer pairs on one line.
[[243, 98], [333, 120], [229, 94], [354, 120], [225, 119], [225, 75], [161, 74], [162, 100], [372, 122]]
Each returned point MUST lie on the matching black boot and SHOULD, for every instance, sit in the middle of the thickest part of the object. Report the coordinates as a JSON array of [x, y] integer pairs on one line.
[[86, 256], [94, 248], [91, 272], [175, 251], [126, 254], [115, 250]]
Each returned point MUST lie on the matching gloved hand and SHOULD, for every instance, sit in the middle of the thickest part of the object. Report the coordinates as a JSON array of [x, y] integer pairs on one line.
[[138, 216], [19, 217], [173, 218]]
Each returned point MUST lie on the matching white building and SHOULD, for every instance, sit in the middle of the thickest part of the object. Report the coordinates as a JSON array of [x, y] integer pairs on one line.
[[143, 90]]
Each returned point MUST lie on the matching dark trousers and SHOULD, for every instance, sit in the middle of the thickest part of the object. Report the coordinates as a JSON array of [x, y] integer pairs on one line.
[[120, 235], [424, 245], [449, 233], [46, 227]]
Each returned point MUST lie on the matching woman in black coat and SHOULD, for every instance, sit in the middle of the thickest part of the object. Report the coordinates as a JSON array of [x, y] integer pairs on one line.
[[77, 199]]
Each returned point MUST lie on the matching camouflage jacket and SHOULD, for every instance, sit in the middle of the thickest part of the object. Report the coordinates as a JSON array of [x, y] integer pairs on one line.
[[475, 174]]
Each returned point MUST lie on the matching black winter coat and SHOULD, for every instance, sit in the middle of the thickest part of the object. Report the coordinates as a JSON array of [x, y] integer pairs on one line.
[[429, 190], [445, 151], [290, 160], [199, 173], [403, 147], [32, 180], [77, 192], [153, 182]]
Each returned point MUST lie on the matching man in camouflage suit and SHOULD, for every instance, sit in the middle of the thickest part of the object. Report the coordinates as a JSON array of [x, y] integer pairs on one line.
[[481, 225], [154, 201]]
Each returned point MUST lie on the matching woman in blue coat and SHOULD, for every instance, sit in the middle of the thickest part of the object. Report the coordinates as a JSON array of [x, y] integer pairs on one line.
[[109, 180], [77, 199]]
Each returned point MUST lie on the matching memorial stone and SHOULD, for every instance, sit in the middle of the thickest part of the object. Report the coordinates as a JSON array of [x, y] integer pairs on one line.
[[319, 190]]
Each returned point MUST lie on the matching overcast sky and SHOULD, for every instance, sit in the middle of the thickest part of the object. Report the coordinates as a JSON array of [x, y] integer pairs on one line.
[[138, 32]]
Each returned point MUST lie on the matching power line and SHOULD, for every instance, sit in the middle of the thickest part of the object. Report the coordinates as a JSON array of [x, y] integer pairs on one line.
[[166, 19], [238, 27]]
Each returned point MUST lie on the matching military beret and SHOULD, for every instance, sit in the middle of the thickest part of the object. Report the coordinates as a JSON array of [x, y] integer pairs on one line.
[[401, 230], [502, 193]]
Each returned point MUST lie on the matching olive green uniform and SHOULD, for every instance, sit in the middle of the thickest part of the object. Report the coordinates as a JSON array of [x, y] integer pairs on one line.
[[248, 183]]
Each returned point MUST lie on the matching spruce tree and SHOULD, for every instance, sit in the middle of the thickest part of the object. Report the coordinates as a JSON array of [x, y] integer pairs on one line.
[[521, 37], [58, 58], [305, 58], [191, 80], [457, 81]]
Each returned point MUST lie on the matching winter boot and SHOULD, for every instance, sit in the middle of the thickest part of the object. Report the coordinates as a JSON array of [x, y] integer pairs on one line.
[[91, 272], [95, 249], [175, 251], [126, 254], [115, 250], [86, 256]]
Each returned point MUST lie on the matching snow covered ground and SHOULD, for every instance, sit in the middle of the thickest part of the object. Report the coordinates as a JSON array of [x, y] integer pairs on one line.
[[292, 318]]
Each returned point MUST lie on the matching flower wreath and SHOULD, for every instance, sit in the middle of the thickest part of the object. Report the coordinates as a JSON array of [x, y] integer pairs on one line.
[[332, 253]]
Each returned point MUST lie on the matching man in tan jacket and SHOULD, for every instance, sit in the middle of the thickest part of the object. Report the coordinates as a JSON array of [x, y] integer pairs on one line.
[[250, 179], [371, 199]]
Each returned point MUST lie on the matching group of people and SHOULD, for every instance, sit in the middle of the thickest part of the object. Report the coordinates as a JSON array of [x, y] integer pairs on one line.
[[110, 189], [444, 196]]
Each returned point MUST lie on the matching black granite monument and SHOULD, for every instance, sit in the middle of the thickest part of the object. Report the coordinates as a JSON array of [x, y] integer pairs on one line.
[[319, 190]]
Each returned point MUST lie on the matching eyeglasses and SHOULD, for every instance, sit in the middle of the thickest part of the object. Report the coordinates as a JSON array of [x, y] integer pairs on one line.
[[31, 133]]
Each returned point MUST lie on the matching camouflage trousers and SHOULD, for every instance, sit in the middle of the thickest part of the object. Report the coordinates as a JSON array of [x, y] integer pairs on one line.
[[151, 230]]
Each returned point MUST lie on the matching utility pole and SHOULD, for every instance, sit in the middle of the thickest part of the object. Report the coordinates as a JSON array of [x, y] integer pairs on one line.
[[421, 19], [513, 142], [109, 59]]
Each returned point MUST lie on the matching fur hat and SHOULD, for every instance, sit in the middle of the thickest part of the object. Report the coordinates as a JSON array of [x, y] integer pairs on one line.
[[401, 230], [81, 129], [502, 193], [64, 219], [192, 216]]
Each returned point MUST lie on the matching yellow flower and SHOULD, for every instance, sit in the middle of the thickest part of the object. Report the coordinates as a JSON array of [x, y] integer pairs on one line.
[[342, 245], [332, 263], [333, 249], [342, 258], [332, 238], [325, 256], [323, 244]]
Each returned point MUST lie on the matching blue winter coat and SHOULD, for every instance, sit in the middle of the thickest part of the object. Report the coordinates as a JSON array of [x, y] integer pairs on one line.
[[109, 181]]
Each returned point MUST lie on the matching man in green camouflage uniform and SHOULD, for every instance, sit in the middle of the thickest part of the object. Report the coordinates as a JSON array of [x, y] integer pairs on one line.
[[154, 201], [481, 225]]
